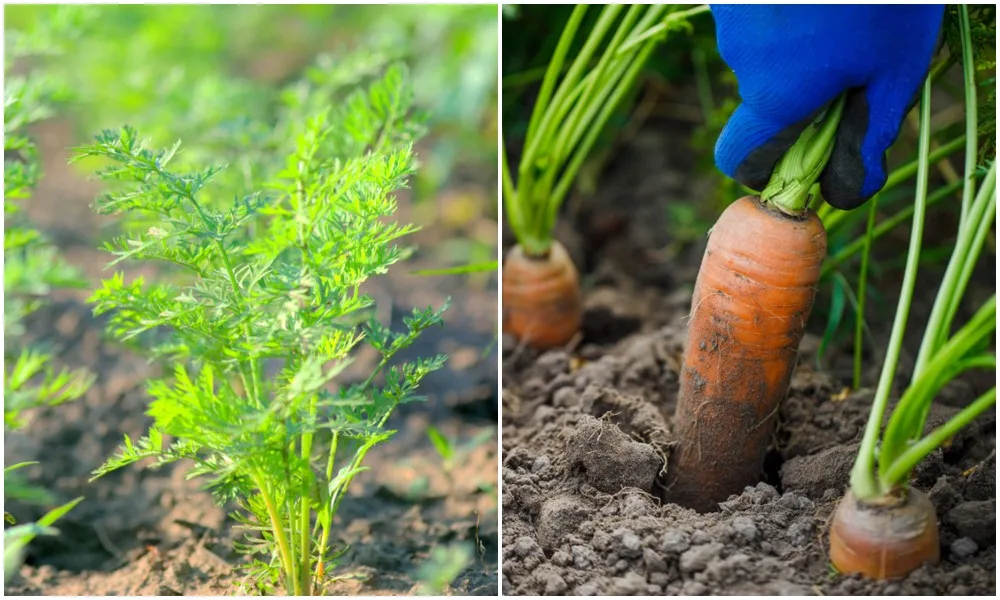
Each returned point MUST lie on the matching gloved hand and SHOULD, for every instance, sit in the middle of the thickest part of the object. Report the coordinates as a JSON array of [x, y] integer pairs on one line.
[[792, 61]]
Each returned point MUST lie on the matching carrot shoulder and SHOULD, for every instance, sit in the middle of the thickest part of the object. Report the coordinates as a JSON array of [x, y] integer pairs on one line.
[[542, 302], [884, 541], [751, 301]]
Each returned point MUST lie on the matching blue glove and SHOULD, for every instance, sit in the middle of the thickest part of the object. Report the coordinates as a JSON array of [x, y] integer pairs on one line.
[[792, 61]]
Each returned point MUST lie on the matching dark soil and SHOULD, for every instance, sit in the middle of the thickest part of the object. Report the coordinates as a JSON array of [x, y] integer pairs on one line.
[[587, 430], [143, 532]]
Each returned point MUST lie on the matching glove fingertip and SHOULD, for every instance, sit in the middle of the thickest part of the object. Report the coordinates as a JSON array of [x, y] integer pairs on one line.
[[855, 171], [749, 147]]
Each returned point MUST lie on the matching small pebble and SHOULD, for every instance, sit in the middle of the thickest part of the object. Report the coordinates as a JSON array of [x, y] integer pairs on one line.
[[698, 557], [654, 562], [629, 584], [675, 541], [526, 546], [694, 588], [541, 463], [963, 547], [564, 397], [745, 528], [700, 537], [555, 585], [631, 546]]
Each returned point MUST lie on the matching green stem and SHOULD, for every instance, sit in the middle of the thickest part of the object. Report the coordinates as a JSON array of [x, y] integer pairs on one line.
[[555, 67], [532, 243], [956, 275], [284, 549], [800, 167], [859, 322], [556, 111], [305, 553], [982, 217], [941, 67], [832, 217], [325, 519], [253, 391], [662, 27], [863, 480], [905, 463], [971, 118], [607, 86], [884, 227], [910, 415], [580, 117], [571, 111], [580, 155]]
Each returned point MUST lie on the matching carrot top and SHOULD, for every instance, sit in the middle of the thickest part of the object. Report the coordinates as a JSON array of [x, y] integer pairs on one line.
[[796, 173]]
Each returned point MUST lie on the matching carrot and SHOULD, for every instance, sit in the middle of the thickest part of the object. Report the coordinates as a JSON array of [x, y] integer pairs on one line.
[[752, 298], [542, 302], [885, 540]]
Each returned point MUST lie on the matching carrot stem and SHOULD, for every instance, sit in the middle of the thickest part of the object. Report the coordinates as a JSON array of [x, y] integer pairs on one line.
[[799, 169], [885, 226], [910, 415], [863, 480], [859, 321], [904, 464], [833, 217], [971, 116]]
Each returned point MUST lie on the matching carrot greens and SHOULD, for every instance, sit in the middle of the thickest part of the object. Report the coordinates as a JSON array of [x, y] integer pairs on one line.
[[264, 311], [580, 92], [883, 468], [32, 269]]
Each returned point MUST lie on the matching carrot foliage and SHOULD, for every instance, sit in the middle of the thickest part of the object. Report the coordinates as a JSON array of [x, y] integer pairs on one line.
[[580, 92], [32, 269], [946, 352], [262, 309]]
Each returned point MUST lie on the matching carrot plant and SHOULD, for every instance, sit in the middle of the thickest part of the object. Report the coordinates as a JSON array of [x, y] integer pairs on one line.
[[541, 290], [884, 528], [265, 308], [32, 269]]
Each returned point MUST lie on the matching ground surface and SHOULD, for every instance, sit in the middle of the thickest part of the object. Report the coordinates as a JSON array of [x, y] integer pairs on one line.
[[143, 532], [586, 431]]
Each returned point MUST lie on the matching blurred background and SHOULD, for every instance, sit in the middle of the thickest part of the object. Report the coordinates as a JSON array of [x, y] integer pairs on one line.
[[214, 77]]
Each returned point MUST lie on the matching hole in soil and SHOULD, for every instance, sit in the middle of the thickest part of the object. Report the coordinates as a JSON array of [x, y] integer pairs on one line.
[[611, 409], [772, 469], [602, 326]]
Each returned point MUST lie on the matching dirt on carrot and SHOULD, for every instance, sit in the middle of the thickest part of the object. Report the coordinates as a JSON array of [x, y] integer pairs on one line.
[[751, 302], [574, 527]]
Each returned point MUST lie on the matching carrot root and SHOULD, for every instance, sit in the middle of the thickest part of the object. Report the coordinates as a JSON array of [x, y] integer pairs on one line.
[[752, 298], [887, 540], [542, 302]]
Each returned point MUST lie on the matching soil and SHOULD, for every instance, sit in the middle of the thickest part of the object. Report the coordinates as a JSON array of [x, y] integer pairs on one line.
[[145, 532], [587, 431]]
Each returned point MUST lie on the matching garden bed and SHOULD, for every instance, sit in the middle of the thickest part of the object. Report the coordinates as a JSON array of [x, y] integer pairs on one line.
[[141, 532], [586, 431]]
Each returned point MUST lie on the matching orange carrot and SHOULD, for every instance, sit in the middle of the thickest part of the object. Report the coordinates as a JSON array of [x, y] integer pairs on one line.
[[884, 541], [751, 301], [542, 303]]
